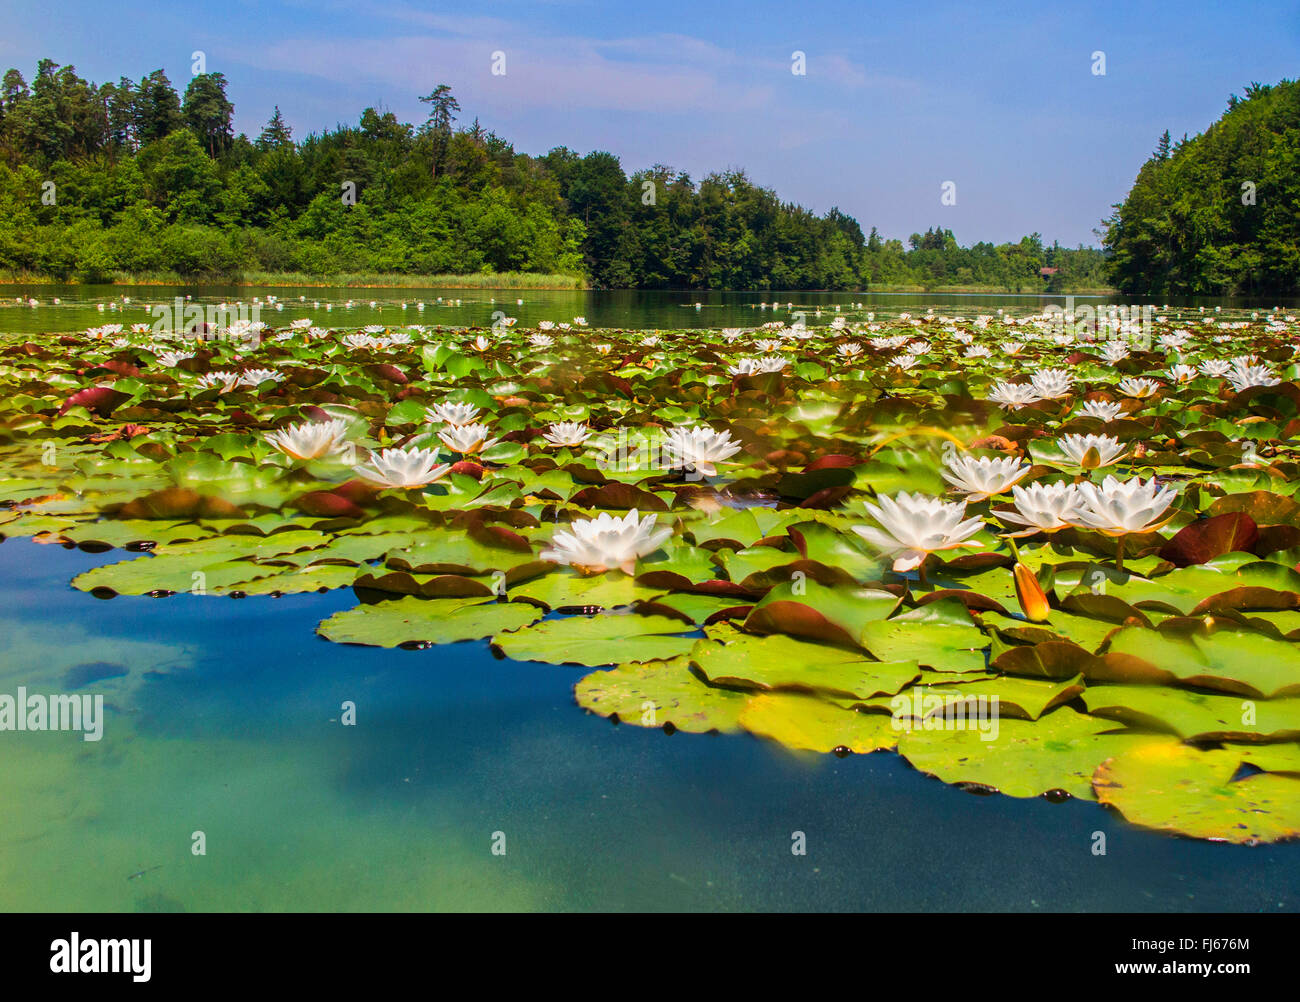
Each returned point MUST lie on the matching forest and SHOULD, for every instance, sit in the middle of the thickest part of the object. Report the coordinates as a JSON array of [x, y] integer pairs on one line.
[[1217, 214], [137, 180]]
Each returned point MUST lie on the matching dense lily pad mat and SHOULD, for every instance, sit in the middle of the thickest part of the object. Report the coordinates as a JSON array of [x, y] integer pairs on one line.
[[1027, 558]]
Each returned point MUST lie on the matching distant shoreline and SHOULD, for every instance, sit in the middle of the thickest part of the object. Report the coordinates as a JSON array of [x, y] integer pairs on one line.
[[502, 281], [496, 280]]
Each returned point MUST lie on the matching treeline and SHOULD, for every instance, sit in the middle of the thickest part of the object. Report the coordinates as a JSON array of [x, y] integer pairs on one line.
[[136, 178], [1218, 213]]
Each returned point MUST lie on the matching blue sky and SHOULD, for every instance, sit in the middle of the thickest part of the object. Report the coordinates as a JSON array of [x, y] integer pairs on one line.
[[898, 98]]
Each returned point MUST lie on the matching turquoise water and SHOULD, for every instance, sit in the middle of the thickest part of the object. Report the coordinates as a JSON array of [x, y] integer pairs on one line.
[[223, 719]]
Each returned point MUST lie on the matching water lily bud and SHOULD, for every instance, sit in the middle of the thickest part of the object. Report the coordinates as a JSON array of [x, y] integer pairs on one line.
[[1029, 593]]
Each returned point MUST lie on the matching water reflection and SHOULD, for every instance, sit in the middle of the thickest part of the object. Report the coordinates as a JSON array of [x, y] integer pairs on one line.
[[227, 722]]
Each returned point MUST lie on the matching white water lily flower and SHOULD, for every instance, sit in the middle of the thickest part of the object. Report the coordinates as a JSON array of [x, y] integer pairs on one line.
[[480, 343], [983, 477], [1114, 351], [977, 351], [567, 433], [1012, 347], [1181, 373], [579, 321], [904, 361], [1043, 507], [1051, 383], [403, 468], [1133, 386], [850, 349], [173, 358], [1244, 376], [311, 439], [1117, 508], [467, 439], [699, 450], [916, 525], [1104, 409], [221, 378], [604, 349], [448, 412], [1076, 448], [606, 542], [730, 334], [917, 348], [541, 340], [1215, 368], [256, 377], [743, 367], [650, 341], [358, 340], [1013, 394], [768, 344]]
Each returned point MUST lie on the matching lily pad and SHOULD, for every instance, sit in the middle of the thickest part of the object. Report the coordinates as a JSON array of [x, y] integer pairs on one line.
[[1181, 789], [427, 621]]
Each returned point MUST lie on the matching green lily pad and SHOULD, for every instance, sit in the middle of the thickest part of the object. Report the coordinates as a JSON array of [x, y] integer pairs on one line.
[[1196, 715], [940, 635], [658, 693], [1182, 789], [781, 662], [806, 723], [1060, 751], [1238, 661], [606, 639], [428, 621]]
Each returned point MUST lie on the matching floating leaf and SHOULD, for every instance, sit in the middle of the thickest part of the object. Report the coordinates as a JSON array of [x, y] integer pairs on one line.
[[1181, 789], [598, 640], [1061, 751], [805, 723], [429, 621], [780, 662], [659, 693]]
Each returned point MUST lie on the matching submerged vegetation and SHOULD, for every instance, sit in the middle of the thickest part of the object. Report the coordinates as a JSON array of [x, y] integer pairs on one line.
[[1027, 553], [102, 182]]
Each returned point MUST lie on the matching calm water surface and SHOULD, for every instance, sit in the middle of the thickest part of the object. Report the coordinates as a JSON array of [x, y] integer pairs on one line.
[[465, 307], [223, 719]]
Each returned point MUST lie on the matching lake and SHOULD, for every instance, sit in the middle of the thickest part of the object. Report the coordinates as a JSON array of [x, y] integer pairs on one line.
[[475, 307], [223, 718]]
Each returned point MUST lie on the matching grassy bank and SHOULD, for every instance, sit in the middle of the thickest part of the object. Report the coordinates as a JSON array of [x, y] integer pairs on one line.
[[268, 279]]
